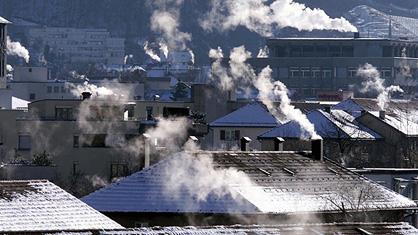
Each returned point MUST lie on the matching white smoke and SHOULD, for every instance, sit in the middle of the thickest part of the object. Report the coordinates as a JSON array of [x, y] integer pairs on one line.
[[9, 68], [106, 89], [263, 52], [150, 52], [241, 75], [165, 20], [164, 49], [261, 17], [126, 58], [192, 56], [16, 49], [374, 83]]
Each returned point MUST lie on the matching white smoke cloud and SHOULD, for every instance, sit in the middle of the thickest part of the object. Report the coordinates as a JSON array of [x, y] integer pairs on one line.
[[106, 89], [9, 68], [261, 17], [263, 52], [241, 75], [164, 49], [16, 49], [150, 52], [126, 58], [374, 83]]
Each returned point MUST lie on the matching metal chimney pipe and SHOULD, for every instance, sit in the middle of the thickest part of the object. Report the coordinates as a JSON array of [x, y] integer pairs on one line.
[[147, 150], [278, 144], [245, 143], [317, 147], [382, 114]]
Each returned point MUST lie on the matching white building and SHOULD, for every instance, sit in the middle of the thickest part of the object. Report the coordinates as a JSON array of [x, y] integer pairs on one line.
[[80, 45], [3, 57]]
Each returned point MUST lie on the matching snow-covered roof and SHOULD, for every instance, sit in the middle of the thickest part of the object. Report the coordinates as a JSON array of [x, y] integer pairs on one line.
[[335, 125], [39, 205], [354, 106], [4, 21], [403, 122], [246, 183], [300, 229], [251, 115], [19, 103]]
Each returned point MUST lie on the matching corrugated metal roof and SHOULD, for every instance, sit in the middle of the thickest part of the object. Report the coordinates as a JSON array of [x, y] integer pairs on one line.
[[39, 205], [302, 229], [251, 115], [281, 182], [4, 21], [336, 124]]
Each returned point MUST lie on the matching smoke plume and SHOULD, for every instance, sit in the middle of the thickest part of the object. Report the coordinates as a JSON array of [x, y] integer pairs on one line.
[[151, 53], [263, 18], [241, 75], [374, 83], [16, 49], [165, 21]]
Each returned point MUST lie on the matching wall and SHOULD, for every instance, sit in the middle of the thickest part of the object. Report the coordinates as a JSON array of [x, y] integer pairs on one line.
[[252, 132]]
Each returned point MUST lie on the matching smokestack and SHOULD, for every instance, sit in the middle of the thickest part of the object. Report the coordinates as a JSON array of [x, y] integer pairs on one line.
[[245, 144], [327, 109], [278, 144], [357, 35], [317, 149], [147, 150], [86, 95], [382, 114]]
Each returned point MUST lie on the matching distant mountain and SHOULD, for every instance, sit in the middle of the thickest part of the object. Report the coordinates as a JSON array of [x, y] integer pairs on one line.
[[130, 19]]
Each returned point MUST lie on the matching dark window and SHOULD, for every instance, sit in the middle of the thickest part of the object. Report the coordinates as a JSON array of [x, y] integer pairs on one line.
[[118, 170], [149, 113], [387, 51], [32, 96], [222, 137], [237, 135], [281, 51], [322, 51], [308, 51], [76, 142], [56, 89], [63, 114], [76, 170], [30, 70], [94, 141], [175, 112], [295, 51], [24, 142], [334, 51], [49, 89], [348, 51]]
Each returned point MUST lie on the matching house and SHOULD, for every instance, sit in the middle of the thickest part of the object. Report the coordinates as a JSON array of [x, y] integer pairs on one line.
[[307, 229], [250, 121], [345, 140], [397, 124], [40, 206], [242, 187]]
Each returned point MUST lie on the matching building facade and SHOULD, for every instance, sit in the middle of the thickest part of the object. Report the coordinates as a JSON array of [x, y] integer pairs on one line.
[[312, 66], [3, 57]]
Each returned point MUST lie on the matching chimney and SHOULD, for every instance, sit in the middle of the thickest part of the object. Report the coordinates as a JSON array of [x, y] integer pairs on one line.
[[327, 109], [194, 139], [86, 95], [147, 150], [245, 144], [278, 144], [382, 114], [317, 149], [357, 35]]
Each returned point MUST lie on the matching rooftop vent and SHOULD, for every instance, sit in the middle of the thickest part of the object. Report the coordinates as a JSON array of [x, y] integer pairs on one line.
[[382, 114], [278, 144], [86, 95], [317, 149], [245, 143]]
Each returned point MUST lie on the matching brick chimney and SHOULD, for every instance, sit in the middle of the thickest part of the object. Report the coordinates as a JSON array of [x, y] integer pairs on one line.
[[382, 114], [317, 147], [245, 143]]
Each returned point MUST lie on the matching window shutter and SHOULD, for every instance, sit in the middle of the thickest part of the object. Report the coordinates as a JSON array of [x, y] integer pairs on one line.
[[222, 137]]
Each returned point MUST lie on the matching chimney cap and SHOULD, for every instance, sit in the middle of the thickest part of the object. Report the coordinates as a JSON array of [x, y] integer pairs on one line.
[[193, 138], [246, 139]]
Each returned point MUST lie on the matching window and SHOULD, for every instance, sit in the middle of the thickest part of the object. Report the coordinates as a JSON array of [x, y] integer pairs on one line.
[[118, 170], [149, 113], [76, 166], [351, 72], [348, 51], [230, 135], [49, 89], [32, 96], [76, 141], [30, 70], [63, 114], [94, 140], [56, 89], [386, 72], [24, 142], [63, 90], [334, 51], [316, 72], [327, 73], [294, 72], [305, 72]]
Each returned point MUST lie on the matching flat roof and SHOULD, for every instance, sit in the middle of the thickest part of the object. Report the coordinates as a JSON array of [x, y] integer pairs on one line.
[[342, 39]]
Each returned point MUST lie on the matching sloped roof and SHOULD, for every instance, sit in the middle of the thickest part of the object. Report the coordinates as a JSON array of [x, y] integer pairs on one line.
[[336, 124], [281, 182], [300, 229], [4, 21], [39, 205], [354, 106], [403, 122], [251, 115]]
